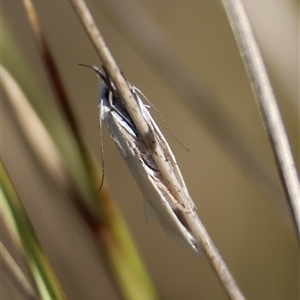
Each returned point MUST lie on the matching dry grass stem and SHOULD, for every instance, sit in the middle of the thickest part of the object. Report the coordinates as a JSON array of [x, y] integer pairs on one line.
[[214, 257], [112, 68], [267, 104], [109, 63]]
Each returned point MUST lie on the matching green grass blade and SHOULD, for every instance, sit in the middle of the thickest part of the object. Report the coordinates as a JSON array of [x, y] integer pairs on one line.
[[18, 223]]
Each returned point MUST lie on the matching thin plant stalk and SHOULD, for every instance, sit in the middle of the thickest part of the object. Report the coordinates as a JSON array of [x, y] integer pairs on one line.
[[267, 105], [113, 70]]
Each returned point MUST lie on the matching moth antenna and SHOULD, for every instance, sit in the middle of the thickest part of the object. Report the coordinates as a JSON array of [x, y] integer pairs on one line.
[[105, 77], [108, 84], [101, 149], [108, 81], [161, 116]]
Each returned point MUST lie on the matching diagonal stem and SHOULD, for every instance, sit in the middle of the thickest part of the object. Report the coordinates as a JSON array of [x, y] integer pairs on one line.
[[110, 64], [267, 104]]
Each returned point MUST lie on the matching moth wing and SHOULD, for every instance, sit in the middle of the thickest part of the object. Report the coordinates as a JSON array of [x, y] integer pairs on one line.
[[150, 214], [167, 217], [155, 195], [156, 198], [168, 154]]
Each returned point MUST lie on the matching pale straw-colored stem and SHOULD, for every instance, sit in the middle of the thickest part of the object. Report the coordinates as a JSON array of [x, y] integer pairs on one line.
[[110, 64], [267, 104]]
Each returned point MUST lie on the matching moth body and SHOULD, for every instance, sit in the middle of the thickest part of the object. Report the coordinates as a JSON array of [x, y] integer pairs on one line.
[[169, 200]]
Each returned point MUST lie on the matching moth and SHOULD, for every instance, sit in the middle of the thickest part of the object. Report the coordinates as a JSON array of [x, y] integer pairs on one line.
[[167, 198]]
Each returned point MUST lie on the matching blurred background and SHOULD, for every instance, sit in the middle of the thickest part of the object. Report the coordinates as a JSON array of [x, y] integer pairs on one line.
[[183, 57]]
